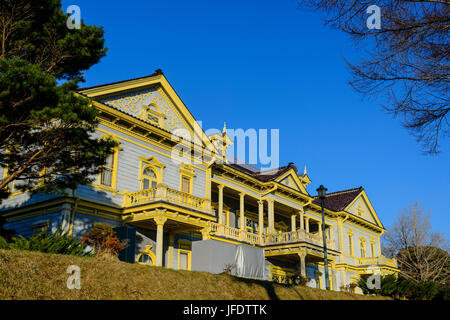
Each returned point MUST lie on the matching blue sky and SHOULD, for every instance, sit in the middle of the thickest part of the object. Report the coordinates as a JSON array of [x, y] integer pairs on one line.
[[268, 65]]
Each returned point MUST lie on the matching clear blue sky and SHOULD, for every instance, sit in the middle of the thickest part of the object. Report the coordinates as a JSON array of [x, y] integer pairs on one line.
[[266, 64]]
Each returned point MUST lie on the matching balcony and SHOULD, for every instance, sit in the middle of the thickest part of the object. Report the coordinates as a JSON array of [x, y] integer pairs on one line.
[[381, 260], [268, 239], [165, 194]]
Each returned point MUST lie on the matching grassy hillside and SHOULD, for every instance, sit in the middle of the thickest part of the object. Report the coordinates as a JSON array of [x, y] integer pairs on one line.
[[35, 275]]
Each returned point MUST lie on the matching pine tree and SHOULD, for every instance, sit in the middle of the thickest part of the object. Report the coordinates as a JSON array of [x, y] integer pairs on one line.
[[46, 141]]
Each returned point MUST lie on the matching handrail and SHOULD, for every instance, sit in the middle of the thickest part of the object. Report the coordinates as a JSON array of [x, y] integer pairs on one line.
[[267, 239], [163, 193], [380, 260]]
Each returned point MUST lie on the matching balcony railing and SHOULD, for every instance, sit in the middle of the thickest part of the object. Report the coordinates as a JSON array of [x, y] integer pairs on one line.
[[268, 239], [163, 193], [380, 260]]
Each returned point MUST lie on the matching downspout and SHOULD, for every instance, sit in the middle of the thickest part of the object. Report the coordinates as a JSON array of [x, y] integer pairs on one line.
[[74, 209]]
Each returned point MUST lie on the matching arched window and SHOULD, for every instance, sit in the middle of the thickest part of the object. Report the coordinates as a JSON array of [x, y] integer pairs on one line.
[[362, 248], [146, 257], [149, 178]]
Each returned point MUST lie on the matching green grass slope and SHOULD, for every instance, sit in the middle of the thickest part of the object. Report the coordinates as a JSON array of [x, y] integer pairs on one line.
[[35, 275]]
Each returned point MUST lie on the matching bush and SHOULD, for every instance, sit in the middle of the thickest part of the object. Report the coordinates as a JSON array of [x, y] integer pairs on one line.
[[49, 243], [298, 279], [3, 243], [401, 288], [103, 239]]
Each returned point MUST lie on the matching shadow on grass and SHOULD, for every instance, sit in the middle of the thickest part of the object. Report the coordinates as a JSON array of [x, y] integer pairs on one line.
[[269, 287]]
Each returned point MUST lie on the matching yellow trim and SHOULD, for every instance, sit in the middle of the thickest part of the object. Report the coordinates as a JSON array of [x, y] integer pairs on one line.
[[143, 139]]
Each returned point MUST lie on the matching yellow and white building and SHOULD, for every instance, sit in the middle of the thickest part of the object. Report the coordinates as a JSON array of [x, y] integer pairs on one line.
[[197, 211]]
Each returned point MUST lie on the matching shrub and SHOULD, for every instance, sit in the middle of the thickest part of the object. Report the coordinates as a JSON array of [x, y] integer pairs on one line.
[[103, 239], [3, 243], [299, 280], [401, 288], [57, 242]]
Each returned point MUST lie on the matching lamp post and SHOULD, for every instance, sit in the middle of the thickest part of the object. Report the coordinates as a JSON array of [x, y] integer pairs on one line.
[[322, 192]]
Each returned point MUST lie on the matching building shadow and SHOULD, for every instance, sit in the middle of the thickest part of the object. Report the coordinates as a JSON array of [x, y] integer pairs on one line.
[[267, 285]]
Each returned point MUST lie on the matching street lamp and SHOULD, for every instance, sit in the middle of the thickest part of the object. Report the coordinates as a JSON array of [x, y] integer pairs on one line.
[[321, 191]]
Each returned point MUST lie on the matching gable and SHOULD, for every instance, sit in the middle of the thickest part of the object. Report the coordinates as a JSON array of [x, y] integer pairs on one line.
[[149, 105], [361, 207], [291, 180], [153, 100]]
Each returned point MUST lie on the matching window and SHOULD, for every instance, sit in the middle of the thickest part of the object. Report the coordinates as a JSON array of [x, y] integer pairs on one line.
[[150, 172], [108, 172], [186, 184], [362, 247], [106, 175], [350, 244], [187, 174], [149, 178], [40, 227], [183, 263], [146, 256], [152, 114], [184, 254], [251, 225], [372, 248], [359, 211]]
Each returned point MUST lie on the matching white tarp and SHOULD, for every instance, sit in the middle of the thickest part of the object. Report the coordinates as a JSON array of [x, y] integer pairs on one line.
[[249, 262]]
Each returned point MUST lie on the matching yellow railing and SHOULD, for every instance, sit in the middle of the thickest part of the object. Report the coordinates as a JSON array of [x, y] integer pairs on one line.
[[380, 260], [295, 236], [267, 239], [163, 193]]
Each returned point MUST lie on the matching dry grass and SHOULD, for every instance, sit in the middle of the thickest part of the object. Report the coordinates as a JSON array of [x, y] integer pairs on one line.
[[35, 275]]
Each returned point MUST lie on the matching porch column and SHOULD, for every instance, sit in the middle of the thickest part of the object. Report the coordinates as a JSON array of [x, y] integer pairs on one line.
[[260, 217], [159, 220], [302, 256], [205, 233], [307, 224], [242, 211], [320, 228], [220, 213], [293, 218], [271, 217], [170, 252], [302, 219]]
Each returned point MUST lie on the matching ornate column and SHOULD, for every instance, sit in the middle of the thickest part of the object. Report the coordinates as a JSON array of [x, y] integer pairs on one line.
[[170, 252], [242, 211], [293, 218], [205, 233], [220, 205], [302, 256], [260, 217], [307, 224], [159, 220], [302, 219], [270, 203]]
